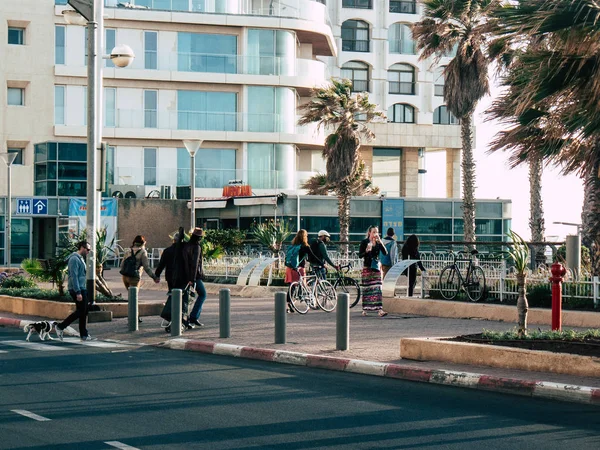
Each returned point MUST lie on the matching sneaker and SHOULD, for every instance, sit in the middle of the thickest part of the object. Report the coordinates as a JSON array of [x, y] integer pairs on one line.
[[59, 332], [196, 323], [88, 338]]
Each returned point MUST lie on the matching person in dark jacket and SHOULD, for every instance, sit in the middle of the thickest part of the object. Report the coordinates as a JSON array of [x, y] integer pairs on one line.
[[78, 291], [410, 250], [370, 249], [166, 263], [319, 256], [192, 256]]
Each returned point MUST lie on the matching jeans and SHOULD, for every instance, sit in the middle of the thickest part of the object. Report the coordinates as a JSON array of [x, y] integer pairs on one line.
[[81, 310], [201, 293], [320, 272]]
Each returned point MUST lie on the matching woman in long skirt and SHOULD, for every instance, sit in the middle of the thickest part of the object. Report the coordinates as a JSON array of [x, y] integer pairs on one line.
[[369, 250]]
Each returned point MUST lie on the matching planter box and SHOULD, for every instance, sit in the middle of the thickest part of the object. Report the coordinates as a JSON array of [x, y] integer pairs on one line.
[[470, 310], [432, 349]]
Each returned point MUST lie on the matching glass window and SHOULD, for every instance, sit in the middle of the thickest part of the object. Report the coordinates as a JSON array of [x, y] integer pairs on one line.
[[199, 110], [150, 166], [271, 109], [427, 226], [110, 39], [16, 96], [401, 113], [428, 209], [59, 105], [59, 44], [19, 158], [271, 52], [110, 165], [355, 36], [214, 167], [150, 109], [16, 36], [403, 7], [362, 4], [482, 226], [201, 52], [400, 39], [441, 116], [358, 73], [70, 171], [401, 78], [269, 165], [110, 107], [69, 151], [69, 188], [387, 170], [491, 210], [438, 81], [150, 50]]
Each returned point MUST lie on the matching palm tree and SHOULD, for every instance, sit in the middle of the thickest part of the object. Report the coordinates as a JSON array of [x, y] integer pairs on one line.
[[360, 184], [459, 24], [335, 106], [536, 208], [553, 90]]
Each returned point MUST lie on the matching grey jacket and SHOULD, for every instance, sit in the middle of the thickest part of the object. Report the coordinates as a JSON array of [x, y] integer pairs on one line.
[[76, 267]]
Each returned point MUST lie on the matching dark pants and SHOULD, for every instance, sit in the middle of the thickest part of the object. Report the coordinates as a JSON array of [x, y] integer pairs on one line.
[[201, 293], [81, 310], [320, 272], [412, 279]]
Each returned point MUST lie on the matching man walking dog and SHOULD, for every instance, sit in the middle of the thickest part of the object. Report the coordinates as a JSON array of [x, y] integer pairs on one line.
[[78, 290]]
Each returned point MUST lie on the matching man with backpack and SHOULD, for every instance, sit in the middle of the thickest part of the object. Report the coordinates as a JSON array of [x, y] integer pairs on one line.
[[387, 261], [318, 256]]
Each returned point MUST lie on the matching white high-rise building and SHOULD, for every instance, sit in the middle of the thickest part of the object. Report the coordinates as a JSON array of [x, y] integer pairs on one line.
[[228, 72]]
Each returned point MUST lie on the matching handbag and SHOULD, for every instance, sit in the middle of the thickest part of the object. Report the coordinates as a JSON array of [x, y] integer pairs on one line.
[[375, 265]]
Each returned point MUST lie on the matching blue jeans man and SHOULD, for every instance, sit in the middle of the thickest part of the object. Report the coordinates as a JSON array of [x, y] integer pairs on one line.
[[194, 316]]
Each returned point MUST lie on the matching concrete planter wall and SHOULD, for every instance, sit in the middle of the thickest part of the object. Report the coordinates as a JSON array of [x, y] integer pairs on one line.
[[505, 313]]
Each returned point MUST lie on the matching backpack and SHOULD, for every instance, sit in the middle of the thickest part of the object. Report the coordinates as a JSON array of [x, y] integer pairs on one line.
[[292, 256], [392, 257], [130, 267]]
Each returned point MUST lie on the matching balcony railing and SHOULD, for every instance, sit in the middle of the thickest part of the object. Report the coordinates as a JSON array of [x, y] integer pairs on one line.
[[404, 47], [209, 178], [313, 10], [352, 45], [205, 121]]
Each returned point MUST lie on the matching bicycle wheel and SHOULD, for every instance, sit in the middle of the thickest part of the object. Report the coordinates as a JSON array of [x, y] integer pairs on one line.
[[449, 282], [298, 297], [347, 285], [475, 284], [326, 296]]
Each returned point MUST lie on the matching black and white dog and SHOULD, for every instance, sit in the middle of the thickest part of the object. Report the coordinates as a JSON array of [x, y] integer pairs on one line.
[[42, 328]]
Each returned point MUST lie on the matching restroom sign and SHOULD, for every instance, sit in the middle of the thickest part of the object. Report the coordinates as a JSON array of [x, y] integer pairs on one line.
[[24, 205]]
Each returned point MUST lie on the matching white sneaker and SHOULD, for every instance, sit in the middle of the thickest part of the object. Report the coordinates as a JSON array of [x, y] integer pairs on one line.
[[59, 332], [89, 338]]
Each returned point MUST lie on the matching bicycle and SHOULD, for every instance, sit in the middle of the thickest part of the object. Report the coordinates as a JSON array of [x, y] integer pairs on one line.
[[347, 285], [311, 292], [451, 280]]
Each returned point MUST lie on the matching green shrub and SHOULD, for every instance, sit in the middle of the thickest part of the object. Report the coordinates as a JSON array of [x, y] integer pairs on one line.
[[35, 293], [18, 281], [539, 296], [232, 240]]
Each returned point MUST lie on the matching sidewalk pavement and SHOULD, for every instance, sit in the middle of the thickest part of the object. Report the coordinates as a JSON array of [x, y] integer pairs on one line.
[[311, 340]]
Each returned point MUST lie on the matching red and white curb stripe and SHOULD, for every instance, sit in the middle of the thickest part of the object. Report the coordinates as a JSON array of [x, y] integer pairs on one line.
[[538, 389]]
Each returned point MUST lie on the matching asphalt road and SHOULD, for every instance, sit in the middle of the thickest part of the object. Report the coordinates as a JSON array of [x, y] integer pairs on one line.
[[115, 396]]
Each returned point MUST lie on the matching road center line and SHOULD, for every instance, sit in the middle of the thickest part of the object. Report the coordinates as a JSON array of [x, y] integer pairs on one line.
[[30, 415], [118, 444]]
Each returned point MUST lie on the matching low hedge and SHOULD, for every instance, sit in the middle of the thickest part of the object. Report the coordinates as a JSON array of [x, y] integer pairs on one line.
[[48, 294]]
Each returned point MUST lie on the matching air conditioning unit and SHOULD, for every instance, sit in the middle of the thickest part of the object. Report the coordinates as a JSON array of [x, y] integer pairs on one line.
[[166, 192], [127, 190]]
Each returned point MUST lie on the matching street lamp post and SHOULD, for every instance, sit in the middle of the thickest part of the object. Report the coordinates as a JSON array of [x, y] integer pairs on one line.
[[93, 13], [9, 158], [192, 147]]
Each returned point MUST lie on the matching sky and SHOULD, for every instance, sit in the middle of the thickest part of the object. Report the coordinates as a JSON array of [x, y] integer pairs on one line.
[[562, 196]]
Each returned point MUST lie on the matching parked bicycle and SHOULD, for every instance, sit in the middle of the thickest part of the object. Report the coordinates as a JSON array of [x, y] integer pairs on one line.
[[347, 285], [310, 291], [452, 281]]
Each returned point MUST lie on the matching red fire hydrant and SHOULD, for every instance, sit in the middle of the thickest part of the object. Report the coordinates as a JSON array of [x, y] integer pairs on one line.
[[558, 272]]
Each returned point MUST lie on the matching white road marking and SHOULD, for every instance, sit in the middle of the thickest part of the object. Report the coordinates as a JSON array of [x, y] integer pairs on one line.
[[99, 344], [30, 415], [118, 444], [34, 346], [3, 351]]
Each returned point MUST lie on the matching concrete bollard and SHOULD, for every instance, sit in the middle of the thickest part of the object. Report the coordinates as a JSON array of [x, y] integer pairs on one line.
[[176, 312], [280, 317], [132, 309], [224, 313], [342, 329]]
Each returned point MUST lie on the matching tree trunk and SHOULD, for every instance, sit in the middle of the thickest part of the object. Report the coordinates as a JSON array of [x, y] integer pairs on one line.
[[586, 213], [522, 305], [101, 285], [536, 209], [592, 203], [343, 195], [468, 180]]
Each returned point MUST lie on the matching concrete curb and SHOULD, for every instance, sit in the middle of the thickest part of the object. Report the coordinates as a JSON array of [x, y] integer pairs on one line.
[[541, 389]]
